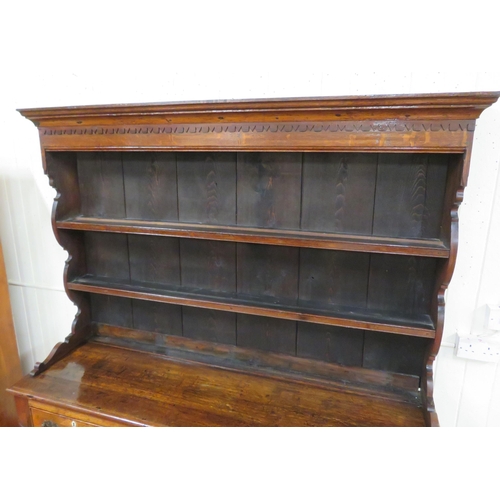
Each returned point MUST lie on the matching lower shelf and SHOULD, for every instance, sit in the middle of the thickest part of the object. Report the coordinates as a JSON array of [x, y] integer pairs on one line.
[[416, 325], [122, 386]]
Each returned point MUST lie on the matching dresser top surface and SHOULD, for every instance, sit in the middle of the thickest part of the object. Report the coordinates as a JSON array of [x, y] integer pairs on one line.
[[144, 389]]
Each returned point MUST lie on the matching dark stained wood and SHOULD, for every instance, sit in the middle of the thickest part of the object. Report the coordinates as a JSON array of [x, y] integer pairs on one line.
[[312, 233], [334, 344], [383, 351], [268, 271], [61, 169], [62, 172], [268, 334], [333, 278], [400, 283], [209, 325], [302, 239], [437, 173], [111, 310], [150, 183], [107, 255], [157, 317], [419, 325], [154, 260], [101, 184], [338, 192], [419, 181], [269, 190], [136, 388], [207, 187], [208, 265], [455, 186]]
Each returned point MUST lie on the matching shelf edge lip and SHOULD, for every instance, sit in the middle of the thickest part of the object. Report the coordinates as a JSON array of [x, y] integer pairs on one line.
[[114, 289], [470, 100], [259, 236]]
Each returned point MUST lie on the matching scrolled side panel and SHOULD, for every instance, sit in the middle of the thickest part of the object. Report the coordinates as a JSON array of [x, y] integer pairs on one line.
[[62, 172], [456, 183]]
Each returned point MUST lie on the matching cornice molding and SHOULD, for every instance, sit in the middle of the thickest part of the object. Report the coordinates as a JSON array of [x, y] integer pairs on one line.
[[454, 106]]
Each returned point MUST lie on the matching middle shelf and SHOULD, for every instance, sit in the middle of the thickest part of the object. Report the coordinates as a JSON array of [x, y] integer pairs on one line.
[[371, 291], [302, 239]]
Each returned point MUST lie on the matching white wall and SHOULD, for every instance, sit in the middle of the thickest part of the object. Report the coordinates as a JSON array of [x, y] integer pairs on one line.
[[55, 57]]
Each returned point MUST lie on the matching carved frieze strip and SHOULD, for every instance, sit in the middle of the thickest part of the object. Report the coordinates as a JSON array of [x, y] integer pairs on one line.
[[337, 126]]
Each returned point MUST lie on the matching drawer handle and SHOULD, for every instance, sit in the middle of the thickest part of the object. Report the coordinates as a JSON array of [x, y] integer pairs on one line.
[[49, 423]]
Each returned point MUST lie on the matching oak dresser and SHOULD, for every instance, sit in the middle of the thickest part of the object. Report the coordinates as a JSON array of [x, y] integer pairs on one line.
[[278, 262]]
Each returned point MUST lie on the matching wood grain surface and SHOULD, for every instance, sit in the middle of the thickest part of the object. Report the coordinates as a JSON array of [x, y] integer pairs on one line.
[[140, 389], [10, 365], [306, 236]]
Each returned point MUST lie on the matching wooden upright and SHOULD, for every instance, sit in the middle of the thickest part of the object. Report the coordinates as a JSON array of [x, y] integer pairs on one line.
[[266, 262], [10, 365]]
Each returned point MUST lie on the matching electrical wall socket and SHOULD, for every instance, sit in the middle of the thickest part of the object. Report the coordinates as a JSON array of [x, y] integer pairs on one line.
[[478, 349]]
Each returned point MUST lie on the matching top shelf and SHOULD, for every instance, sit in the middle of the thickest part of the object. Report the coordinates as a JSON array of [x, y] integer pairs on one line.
[[303, 239]]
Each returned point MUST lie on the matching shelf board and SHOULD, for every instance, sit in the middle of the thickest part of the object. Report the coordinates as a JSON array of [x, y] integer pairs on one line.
[[419, 325], [304, 239]]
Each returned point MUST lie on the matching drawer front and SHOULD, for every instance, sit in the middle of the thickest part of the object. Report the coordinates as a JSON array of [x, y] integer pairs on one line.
[[43, 418], [51, 415]]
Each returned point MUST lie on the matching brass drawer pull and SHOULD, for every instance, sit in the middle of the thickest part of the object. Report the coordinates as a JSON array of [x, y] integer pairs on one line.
[[49, 423]]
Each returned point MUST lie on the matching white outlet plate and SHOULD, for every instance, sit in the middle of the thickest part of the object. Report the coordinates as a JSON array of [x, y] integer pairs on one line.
[[478, 349]]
